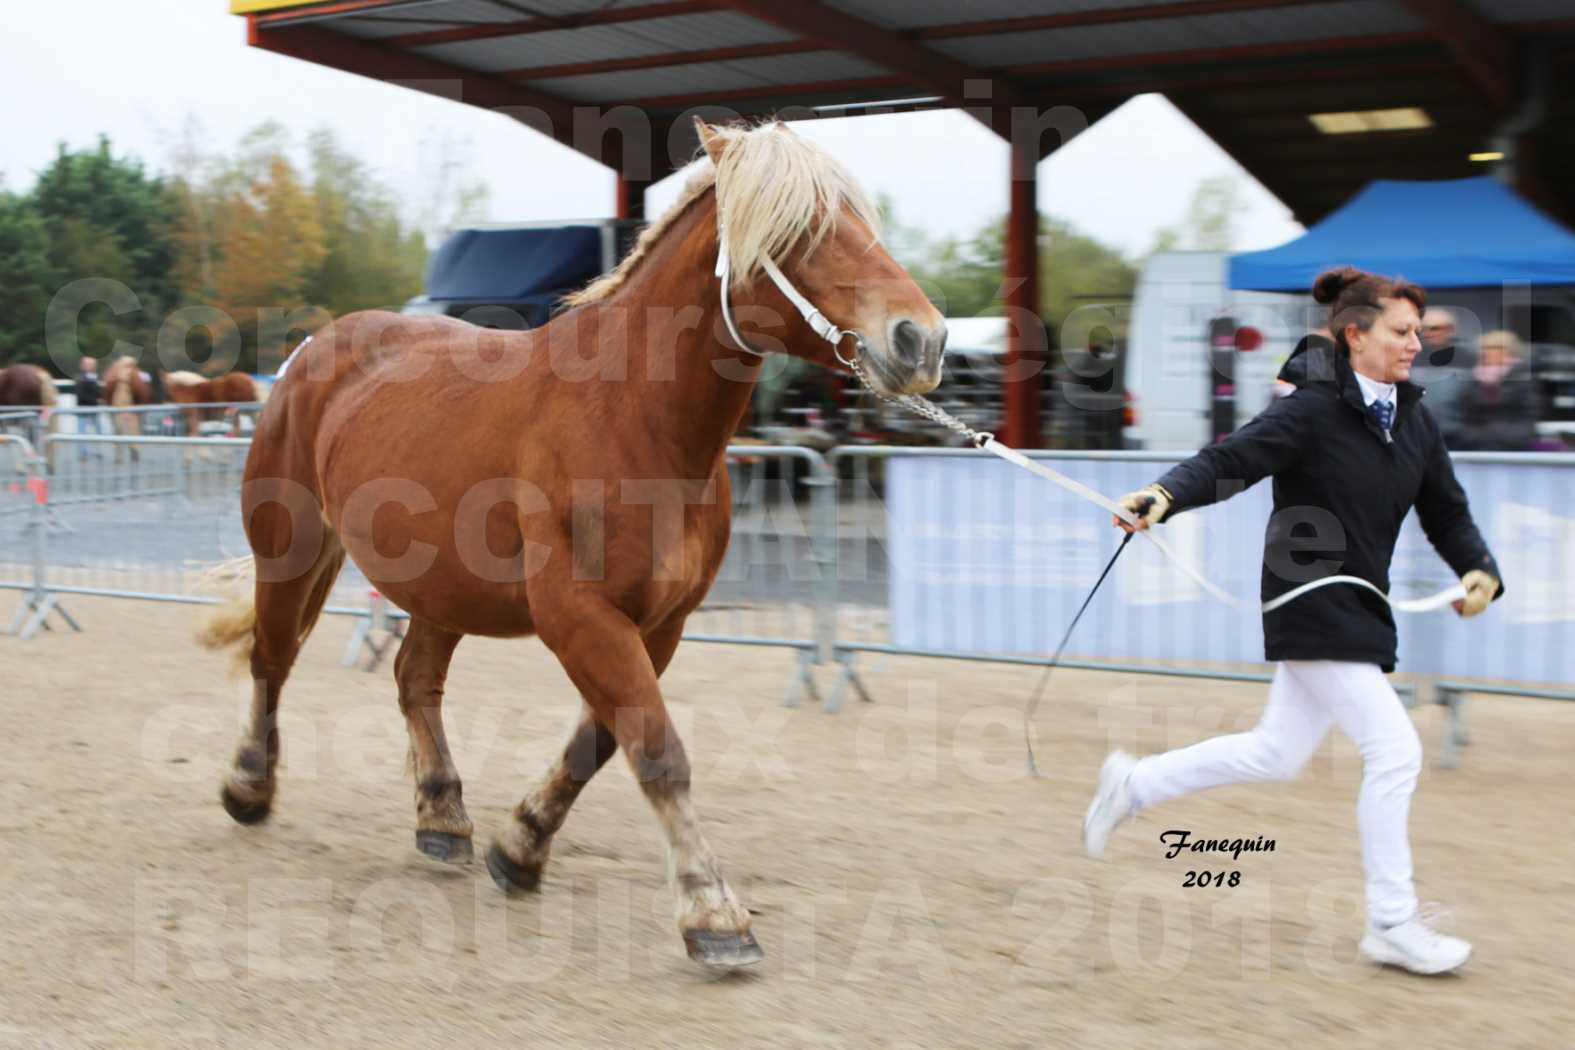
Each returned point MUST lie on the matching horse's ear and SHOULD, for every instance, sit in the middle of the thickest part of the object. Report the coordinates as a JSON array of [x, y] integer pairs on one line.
[[711, 139]]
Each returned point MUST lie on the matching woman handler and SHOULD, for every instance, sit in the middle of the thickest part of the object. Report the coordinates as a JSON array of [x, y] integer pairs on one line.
[[1351, 451]]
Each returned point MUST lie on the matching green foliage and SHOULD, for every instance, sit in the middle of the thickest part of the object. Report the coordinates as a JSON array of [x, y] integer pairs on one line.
[[369, 252], [277, 246], [964, 276], [1210, 222], [102, 218], [27, 279]]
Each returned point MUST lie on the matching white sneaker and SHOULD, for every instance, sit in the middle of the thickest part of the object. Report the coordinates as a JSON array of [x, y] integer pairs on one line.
[[1112, 802], [1414, 945]]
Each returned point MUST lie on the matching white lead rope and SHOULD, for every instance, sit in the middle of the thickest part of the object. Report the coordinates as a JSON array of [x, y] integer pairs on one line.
[[834, 335], [1407, 605]]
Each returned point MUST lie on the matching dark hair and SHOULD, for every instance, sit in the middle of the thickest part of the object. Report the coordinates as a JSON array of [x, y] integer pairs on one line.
[[1355, 297]]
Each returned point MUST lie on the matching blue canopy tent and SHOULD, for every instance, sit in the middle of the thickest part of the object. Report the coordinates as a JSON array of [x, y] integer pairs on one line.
[[1455, 233]]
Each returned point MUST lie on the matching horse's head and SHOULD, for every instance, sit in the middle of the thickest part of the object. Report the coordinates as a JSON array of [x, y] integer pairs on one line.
[[783, 200]]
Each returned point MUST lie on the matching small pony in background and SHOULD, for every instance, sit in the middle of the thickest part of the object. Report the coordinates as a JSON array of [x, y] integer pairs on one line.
[[189, 388]]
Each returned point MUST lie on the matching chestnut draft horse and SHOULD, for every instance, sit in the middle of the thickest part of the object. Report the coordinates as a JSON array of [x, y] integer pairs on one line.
[[189, 388], [568, 482], [125, 387], [29, 386]]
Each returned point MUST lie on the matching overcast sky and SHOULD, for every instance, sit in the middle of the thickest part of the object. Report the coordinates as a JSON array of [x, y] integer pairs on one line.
[[71, 69]]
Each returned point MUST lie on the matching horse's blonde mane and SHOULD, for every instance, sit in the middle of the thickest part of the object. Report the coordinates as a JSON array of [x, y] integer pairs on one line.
[[121, 368], [774, 189], [183, 379]]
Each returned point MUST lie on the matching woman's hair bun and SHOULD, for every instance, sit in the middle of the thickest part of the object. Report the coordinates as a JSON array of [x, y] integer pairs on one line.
[[1330, 283]]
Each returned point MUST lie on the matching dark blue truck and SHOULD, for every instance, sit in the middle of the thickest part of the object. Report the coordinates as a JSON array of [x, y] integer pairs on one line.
[[515, 275]]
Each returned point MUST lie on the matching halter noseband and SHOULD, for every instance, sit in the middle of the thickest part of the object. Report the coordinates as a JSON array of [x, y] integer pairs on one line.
[[816, 320]]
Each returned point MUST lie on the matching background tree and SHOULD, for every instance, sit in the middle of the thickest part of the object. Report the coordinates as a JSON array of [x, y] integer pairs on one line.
[[371, 258], [1209, 224], [964, 274], [27, 280], [265, 234], [446, 195], [104, 217]]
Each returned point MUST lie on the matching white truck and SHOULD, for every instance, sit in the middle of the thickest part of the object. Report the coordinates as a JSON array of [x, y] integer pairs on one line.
[[1201, 358]]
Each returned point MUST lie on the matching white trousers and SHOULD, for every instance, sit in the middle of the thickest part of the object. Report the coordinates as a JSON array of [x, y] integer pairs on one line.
[[1304, 699]]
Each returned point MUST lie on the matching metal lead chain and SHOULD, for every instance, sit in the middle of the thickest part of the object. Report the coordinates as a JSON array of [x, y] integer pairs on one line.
[[916, 404]]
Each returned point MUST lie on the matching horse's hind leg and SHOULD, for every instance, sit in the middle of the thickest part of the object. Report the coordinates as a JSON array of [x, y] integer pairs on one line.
[[443, 830], [286, 612]]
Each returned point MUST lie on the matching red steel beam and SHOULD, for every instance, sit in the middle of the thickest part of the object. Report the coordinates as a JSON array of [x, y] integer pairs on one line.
[[324, 10], [823, 87], [630, 198], [1021, 395], [1223, 78], [545, 23], [376, 60], [664, 60], [943, 75], [1245, 52], [1114, 16], [1484, 52]]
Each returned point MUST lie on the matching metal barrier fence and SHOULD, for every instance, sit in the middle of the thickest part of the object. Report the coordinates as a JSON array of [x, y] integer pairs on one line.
[[144, 516], [24, 496], [166, 419], [970, 558], [943, 553], [923, 555]]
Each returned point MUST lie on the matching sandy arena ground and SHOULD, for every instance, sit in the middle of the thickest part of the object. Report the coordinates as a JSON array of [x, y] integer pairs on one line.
[[912, 886]]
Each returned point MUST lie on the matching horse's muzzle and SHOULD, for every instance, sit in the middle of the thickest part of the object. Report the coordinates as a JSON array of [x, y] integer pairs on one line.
[[912, 364]]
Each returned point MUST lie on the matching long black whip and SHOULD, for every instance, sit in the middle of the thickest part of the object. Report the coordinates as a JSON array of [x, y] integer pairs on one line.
[[1033, 705]]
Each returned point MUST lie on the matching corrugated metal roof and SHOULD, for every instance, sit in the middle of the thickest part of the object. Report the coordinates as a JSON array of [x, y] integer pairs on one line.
[[708, 77], [419, 18], [904, 14], [1332, 21], [453, 14], [622, 40], [1523, 10]]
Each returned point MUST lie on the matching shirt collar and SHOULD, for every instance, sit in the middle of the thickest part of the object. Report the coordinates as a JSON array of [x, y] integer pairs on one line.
[[1372, 390]]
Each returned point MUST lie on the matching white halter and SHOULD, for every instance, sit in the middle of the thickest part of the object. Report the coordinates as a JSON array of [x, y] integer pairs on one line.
[[811, 314]]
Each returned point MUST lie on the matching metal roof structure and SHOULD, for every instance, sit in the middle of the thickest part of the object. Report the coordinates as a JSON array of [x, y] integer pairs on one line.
[[1487, 74], [1316, 98]]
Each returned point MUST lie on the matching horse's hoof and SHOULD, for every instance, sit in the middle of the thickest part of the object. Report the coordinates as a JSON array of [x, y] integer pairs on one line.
[[723, 950], [510, 877], [242, 811], [445, 846]]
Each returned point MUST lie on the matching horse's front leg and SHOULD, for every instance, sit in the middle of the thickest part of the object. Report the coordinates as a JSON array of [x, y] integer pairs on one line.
[[609, 662]]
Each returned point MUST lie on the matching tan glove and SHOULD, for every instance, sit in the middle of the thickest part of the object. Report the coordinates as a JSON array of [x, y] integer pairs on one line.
[[1480, 589], [1148, 506]]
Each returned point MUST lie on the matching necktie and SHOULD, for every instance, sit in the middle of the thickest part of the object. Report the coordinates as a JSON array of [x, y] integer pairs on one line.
[[1385, 411]]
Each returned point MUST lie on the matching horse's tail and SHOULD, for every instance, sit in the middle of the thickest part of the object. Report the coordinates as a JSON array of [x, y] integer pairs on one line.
[[231, 625]]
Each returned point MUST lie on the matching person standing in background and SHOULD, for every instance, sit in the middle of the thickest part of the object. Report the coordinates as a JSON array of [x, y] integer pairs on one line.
[[89, 395], [1441, 368], [1497, 410], [1438, 338]]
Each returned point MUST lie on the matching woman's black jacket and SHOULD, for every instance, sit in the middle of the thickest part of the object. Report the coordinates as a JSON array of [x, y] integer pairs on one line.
[[1342, 488]]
